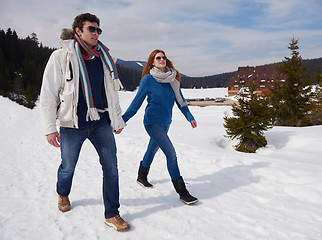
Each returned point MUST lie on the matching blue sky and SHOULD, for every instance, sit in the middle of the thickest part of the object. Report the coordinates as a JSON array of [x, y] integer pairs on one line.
[[201, 37]]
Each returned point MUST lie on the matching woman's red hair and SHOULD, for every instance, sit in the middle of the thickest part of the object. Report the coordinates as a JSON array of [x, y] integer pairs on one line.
[[149, 64]]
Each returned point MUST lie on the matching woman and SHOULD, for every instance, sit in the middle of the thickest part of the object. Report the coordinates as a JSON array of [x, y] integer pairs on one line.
[[161, 84]]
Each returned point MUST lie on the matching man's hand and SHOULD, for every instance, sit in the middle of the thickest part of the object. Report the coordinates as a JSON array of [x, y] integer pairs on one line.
[[53, 139], [193, 123]]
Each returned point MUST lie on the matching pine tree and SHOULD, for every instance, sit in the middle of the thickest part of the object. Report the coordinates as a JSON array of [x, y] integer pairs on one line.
[[4, 76], [18, 89], [252, 116], [290, 97], [34, 38], [30, 96], [22, 62], [316, 113]]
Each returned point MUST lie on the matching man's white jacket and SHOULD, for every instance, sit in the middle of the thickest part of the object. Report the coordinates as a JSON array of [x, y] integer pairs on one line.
[[60, 90]]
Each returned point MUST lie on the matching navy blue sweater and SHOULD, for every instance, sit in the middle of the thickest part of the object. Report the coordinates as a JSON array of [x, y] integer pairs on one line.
[[160, 99], [96, 76]]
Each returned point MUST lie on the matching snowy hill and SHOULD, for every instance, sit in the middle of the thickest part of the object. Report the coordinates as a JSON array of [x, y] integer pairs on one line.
[[134, 65], [274, 194]]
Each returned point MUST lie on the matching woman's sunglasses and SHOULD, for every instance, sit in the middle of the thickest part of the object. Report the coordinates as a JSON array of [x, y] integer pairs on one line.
[[93, 29], [159, 58]]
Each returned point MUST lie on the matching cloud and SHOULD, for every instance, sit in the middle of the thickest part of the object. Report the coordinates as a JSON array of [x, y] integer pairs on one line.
[[201, 37]]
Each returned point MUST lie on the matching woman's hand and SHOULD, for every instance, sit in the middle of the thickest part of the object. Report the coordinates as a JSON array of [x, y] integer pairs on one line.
[[193, 123], [119, 131]]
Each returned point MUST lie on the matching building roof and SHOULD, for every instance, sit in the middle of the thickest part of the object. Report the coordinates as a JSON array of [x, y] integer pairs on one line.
[[262, 75]]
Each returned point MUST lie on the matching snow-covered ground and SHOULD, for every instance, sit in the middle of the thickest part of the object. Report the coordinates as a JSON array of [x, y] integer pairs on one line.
[[274, 194]]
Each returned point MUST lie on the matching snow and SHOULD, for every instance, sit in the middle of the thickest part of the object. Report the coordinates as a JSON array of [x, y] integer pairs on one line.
[[274, 194], [206, 92]]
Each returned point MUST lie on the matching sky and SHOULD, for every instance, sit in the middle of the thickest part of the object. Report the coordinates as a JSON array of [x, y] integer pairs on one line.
[[201, 37]]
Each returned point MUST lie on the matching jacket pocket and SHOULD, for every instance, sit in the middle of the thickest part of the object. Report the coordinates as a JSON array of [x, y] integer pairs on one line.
[[65, 111]]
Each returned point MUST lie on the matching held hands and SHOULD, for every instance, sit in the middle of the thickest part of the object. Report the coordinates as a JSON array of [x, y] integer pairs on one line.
[[53, 139], [193, 123]]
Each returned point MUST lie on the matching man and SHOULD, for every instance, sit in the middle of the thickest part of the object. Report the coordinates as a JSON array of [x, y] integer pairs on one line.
[[80, 90]]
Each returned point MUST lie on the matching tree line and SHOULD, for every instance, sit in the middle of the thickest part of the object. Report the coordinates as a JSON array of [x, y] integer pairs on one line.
[[22, 62], [130, 79], [214, 81]]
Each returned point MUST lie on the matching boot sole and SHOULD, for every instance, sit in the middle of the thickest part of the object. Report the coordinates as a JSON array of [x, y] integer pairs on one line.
[[64, 209], [119, 230], [189, 203], [143, 185]]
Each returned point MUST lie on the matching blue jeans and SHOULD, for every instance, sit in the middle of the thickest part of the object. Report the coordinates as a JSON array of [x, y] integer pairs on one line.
[[159, 139], [101, 136]]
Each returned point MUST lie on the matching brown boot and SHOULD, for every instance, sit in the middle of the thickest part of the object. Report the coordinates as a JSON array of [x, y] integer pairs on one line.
[[63, 203], [118, 223]]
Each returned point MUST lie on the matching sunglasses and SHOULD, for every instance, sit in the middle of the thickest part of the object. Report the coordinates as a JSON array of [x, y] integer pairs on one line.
[[93, 29], [159, 58]]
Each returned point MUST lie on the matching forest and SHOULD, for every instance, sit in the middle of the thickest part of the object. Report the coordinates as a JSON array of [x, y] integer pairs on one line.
[[22, 62]]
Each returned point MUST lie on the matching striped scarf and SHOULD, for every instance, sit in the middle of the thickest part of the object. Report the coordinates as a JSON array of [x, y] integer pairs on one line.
[[99, 51]]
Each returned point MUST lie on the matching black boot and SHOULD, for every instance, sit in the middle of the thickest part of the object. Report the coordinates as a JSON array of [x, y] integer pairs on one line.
[[181, 189], [143, 176]]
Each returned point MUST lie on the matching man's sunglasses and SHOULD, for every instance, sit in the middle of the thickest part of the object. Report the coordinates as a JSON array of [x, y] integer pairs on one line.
[[93, 29], [159, 58]]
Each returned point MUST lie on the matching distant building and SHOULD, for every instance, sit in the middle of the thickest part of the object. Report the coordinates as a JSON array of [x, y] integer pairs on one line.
[[264, 76]]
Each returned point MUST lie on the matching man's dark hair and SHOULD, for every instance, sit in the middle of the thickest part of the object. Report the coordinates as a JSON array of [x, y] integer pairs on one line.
[[80, 19]]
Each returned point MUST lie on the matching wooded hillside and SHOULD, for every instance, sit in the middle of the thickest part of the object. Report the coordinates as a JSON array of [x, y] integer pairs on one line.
[[22, 62]]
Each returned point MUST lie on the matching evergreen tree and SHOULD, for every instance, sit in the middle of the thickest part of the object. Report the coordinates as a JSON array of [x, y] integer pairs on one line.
[[316, 113], [30, 73], [18, 90], [22, 62], [252, 116], [34, 38], [4, 76], [130, 78], [290, 97], [30, 97]]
